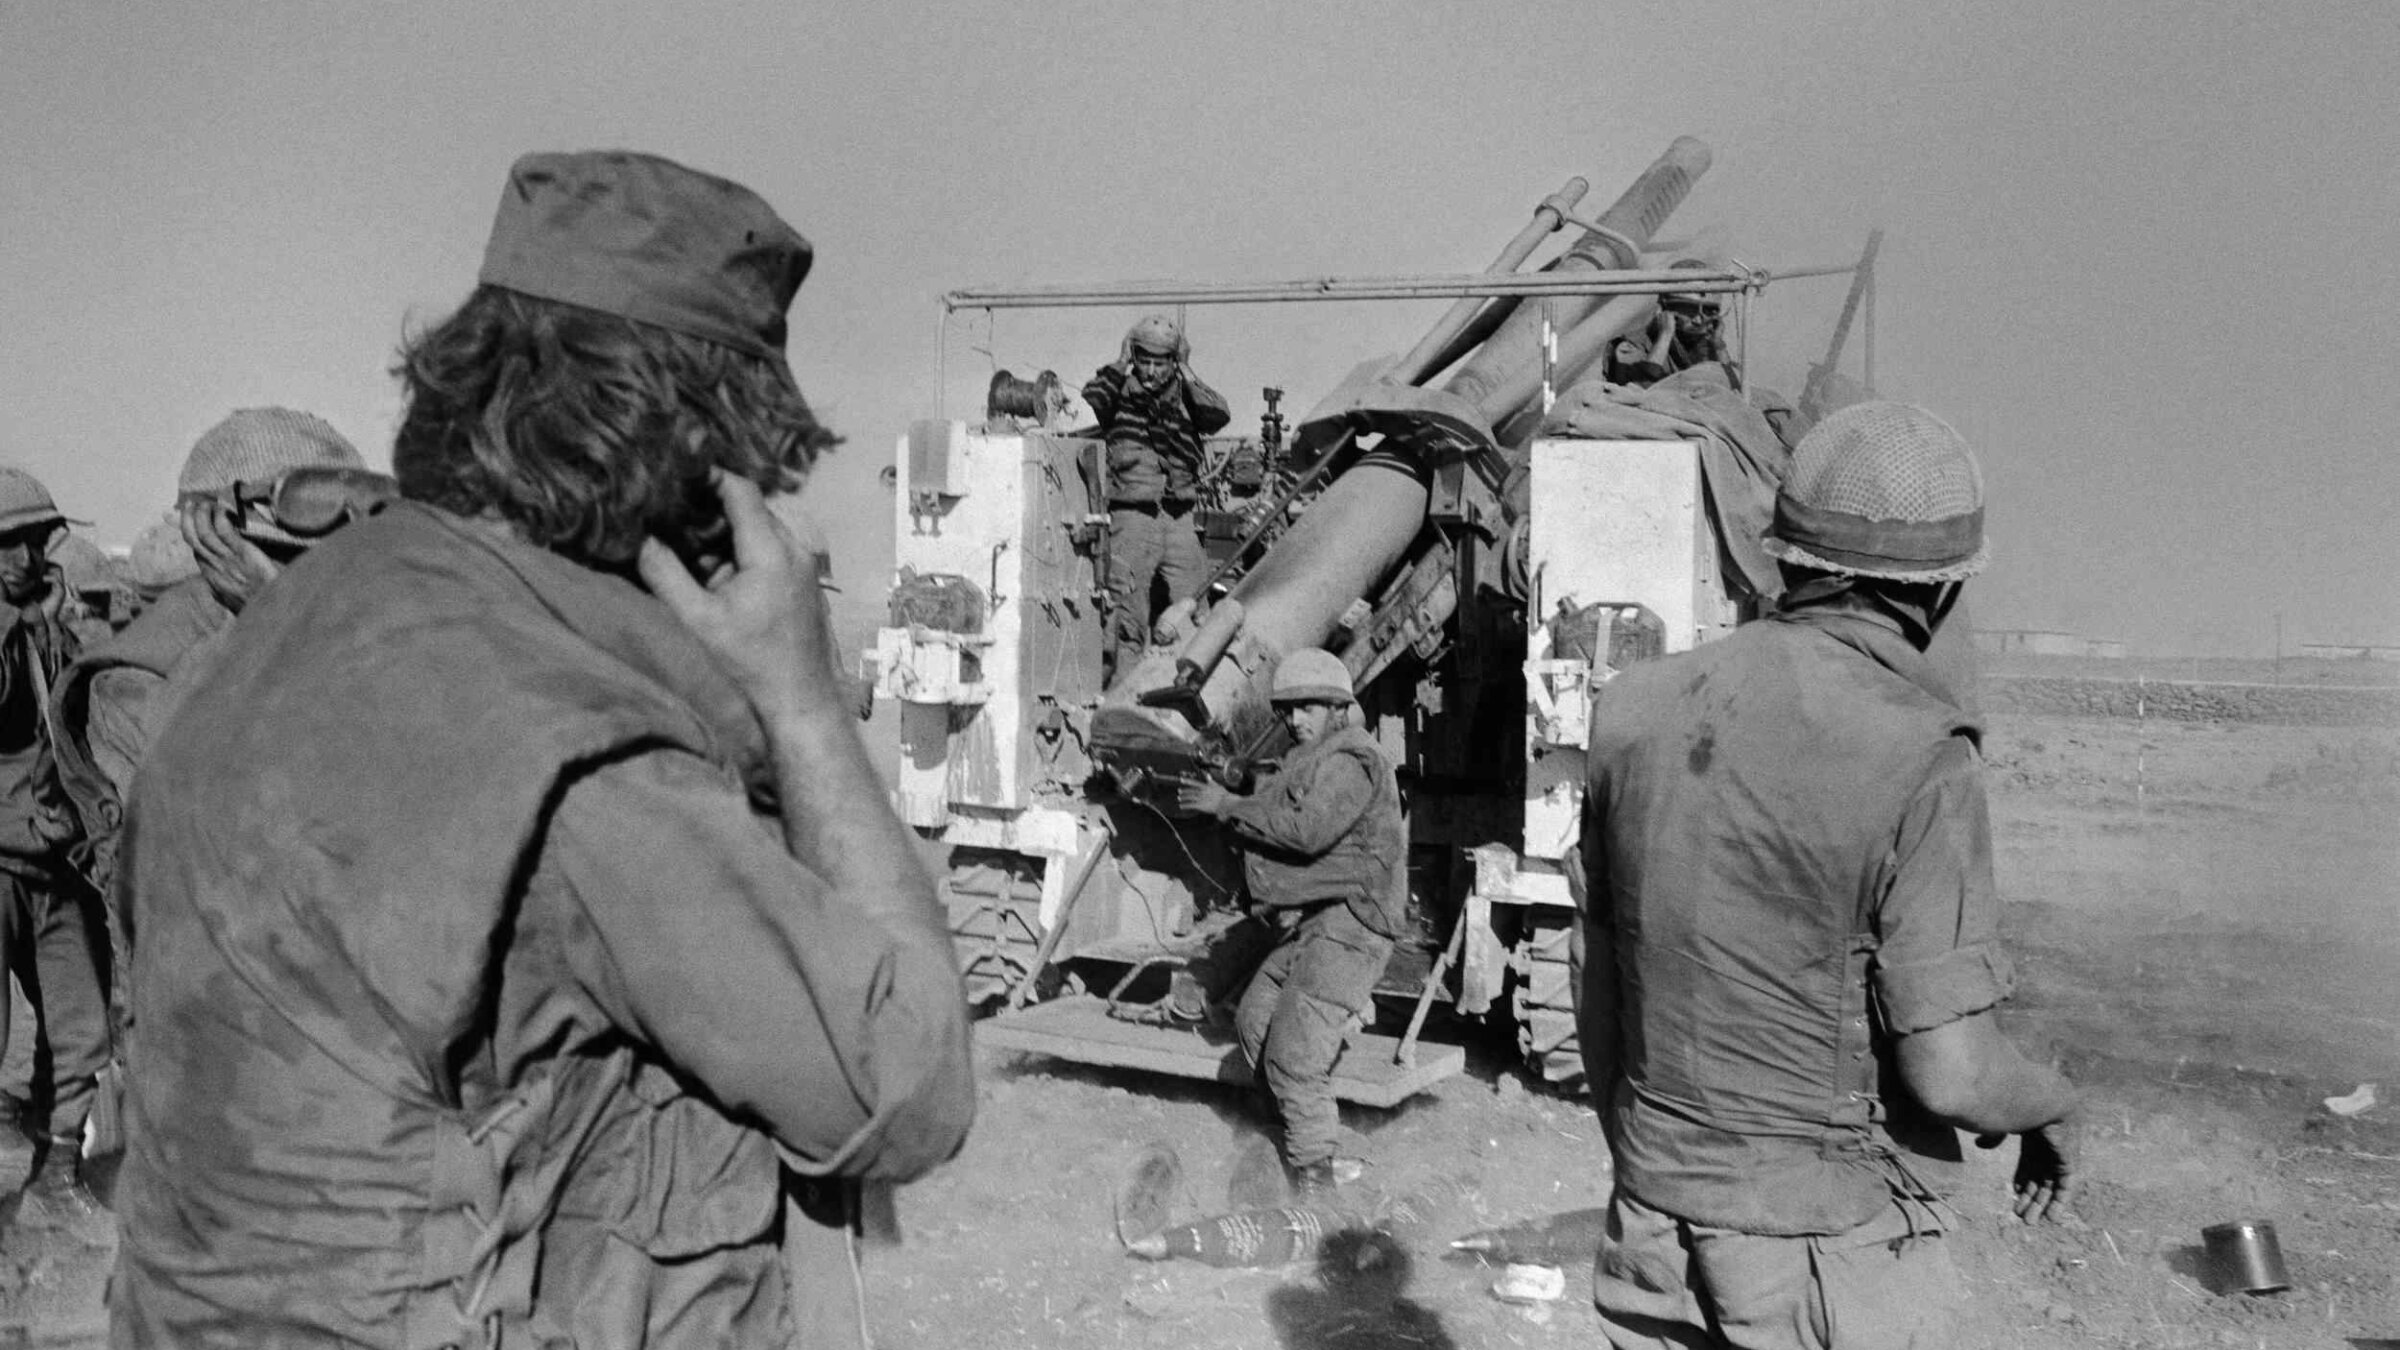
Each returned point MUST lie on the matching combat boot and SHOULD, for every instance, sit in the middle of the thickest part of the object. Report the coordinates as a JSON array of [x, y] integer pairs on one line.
[[58, 1200]]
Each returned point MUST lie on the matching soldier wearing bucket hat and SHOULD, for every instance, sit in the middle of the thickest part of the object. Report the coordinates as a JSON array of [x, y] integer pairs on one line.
[[1790, 961], [48, 918], [483, 1086]]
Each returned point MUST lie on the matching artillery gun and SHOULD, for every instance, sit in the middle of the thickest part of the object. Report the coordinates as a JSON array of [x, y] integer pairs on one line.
[[1476, 573]]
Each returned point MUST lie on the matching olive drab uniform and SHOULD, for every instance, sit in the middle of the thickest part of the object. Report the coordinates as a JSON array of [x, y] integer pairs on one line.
[[1323, 848], [476, 997], [1776, 927], [54, 938], [1154, 464]]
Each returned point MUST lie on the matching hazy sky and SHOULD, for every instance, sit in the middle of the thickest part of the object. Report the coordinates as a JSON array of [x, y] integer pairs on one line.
[[2144, 255]]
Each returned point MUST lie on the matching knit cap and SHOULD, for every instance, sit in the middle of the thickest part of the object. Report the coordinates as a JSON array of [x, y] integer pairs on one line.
[[257, 445]]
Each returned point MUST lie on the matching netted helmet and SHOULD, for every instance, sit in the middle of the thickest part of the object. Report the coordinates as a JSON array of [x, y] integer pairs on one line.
[[1882, 490], [1312, 675], [258, 446], [1156, 334]]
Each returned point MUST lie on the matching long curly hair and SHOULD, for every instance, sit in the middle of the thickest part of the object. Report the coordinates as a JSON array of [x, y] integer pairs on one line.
[[588, 431]]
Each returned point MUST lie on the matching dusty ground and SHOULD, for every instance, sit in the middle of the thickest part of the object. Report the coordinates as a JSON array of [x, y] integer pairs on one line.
[[2207, 920]]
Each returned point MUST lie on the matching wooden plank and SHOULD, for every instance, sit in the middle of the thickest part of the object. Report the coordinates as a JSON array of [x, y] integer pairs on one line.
[[1079, 1029]]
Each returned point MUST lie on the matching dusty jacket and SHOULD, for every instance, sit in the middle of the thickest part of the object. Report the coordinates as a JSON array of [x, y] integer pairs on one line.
[[1328, 826], [187, 620], [330, 1140], [1789, 854], [1154, 439], [37, 823]]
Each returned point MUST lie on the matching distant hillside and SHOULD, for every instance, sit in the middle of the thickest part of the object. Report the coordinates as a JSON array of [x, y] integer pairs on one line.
[[2204, 669]]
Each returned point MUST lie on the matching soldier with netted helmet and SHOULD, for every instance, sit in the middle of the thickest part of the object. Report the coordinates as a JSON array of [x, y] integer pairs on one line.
[[255, 491], [1322, 842], [1789, 961], [237, 476], [1153, 412]]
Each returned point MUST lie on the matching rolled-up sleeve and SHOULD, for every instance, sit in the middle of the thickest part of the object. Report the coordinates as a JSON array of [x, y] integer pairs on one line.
[[1939, 922], [843, 1036]]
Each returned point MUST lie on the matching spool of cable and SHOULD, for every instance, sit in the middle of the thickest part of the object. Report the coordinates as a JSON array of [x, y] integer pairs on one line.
[[1034, 400]]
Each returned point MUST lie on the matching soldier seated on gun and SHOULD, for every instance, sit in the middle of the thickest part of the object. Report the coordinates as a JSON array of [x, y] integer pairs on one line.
[[1321, 841]]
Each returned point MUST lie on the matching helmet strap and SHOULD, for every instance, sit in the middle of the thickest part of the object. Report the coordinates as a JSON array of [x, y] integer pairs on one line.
[[1944, 600], [1900, 602], [1918, 618]]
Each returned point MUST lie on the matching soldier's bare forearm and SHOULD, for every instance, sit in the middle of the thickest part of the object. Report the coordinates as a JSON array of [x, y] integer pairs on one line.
[[836, 818], [1967, 1073]]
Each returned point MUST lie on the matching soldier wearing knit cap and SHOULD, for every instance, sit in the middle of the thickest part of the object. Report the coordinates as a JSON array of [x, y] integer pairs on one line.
[[48, 918], [433, 1036]]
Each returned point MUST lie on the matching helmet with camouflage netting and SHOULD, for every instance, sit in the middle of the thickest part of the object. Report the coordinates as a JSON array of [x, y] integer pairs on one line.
[[1882, 490]]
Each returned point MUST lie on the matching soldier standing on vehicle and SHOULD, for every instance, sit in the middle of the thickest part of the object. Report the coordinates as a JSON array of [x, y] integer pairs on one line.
[[1153, 411], [1323, 843], [524, 951], [1787, 897], [49, 920]]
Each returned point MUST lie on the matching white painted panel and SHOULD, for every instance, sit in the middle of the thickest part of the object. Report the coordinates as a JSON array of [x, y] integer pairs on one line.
[[1625, 522], [972, 531]]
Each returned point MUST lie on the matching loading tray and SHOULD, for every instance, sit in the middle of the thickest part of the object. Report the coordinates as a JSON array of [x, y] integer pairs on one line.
[[1078, 1028]]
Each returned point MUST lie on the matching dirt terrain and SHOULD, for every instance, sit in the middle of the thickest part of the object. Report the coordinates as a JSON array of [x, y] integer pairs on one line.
[[2206, 917]]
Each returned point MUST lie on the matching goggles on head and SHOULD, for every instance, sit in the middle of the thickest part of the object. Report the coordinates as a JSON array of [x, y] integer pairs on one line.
[[315, 500]]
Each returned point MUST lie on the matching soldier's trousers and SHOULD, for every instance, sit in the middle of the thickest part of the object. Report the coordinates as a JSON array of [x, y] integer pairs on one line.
[[1294, 1015], [1662, 1282], [16, 1056], [52, 935], [1148, 542]]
